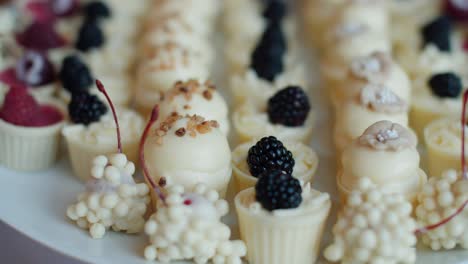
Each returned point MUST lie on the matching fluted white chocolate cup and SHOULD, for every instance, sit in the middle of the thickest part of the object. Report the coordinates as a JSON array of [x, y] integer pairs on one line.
[[82, 153], [243, 179], [279, 239], [30, 148]]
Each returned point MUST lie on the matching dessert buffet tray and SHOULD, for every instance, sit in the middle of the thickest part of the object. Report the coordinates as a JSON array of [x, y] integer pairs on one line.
[[35, 204]]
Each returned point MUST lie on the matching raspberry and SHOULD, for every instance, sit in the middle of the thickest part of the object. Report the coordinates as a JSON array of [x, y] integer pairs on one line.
[[278, 190], [90, 36], [269, 154], [446, 85], [289, 107], [75, 75], [19, 107], [85, 108], [40, 36], [438, 32]]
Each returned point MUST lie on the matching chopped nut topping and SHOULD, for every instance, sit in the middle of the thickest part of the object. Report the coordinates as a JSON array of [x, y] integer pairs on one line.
[[208, 95], [180, 132], [187, 107], [195, 124]]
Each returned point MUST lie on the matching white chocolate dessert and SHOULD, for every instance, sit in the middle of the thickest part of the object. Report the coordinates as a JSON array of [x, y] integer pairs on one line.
[[286, 235], [434, 98], [306, 163], [195, 98], [250, 87], [112, 199], [440, 198], [86, 142], [373, 227], [443, 141], [202, 151], [374, 103], [386, 154], [188, 227], [377, 68], [253, 120]]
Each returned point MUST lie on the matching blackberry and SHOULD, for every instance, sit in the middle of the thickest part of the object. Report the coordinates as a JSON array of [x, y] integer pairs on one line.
[[85, 108], [275, 11], [75, 75], [278, 190], [269, 154], [90, 36], [267, 58], [446, 85], [438, 32], [96, 10], [289, 107]]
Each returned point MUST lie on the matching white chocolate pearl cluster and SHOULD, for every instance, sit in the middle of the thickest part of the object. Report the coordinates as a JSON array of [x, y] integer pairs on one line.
[[112, 200], [439, 199], [189, 227], [374, 227]]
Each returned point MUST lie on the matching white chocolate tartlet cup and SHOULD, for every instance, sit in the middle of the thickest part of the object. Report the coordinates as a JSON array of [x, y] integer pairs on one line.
[[443, 141], [29, 148], [305, 167], [283, 236]]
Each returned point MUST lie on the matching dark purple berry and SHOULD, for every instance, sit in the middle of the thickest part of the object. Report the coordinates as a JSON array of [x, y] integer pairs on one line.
[[276, 189], [269, 154], [446, 85], [35, 69], [289, 107]]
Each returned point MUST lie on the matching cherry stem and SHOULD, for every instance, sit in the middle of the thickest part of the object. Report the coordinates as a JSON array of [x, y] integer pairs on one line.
[[101, 88], [464, 173], [156, 187]]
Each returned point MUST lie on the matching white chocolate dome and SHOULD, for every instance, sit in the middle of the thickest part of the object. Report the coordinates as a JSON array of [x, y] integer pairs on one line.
[[187, 151], [195, 98]]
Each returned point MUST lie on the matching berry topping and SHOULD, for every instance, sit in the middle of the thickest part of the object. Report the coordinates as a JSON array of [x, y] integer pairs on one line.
[[90, 36], [275, 11], [96, 10], [21, 109], [75, 75], [438, 32], [457, 9], [269, 154], [64, 8], [278, 190], [446, 85], [267, 58], [35, 69], [85, 108], [40, 36], [289, 107]]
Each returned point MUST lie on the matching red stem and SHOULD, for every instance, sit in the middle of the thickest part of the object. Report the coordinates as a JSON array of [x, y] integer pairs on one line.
[[156, 187], [101, 88], [464, 174]]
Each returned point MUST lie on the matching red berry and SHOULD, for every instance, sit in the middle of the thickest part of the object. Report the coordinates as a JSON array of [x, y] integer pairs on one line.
[[19, 107], [48, 115], [40, 36], [40, 11], [457, 9]]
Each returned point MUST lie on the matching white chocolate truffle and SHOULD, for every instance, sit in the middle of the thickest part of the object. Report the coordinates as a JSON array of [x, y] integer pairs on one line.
[[195, 98], [112, 200], [189, 150], [385, 153], [189, 227], [373, 227], [440, 198]]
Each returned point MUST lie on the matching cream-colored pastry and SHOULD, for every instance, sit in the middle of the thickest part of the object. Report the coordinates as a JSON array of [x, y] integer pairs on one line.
[[431, 101], [195, 98], [373, 227], [251, 120], [305, 164], [374, 103], [98, 138], [112, 198], [440, 198], [249, 86], [376, 68], [386, 154], [443, 142], [187, 226], [349, 41], [201, 148], [283, 235]]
